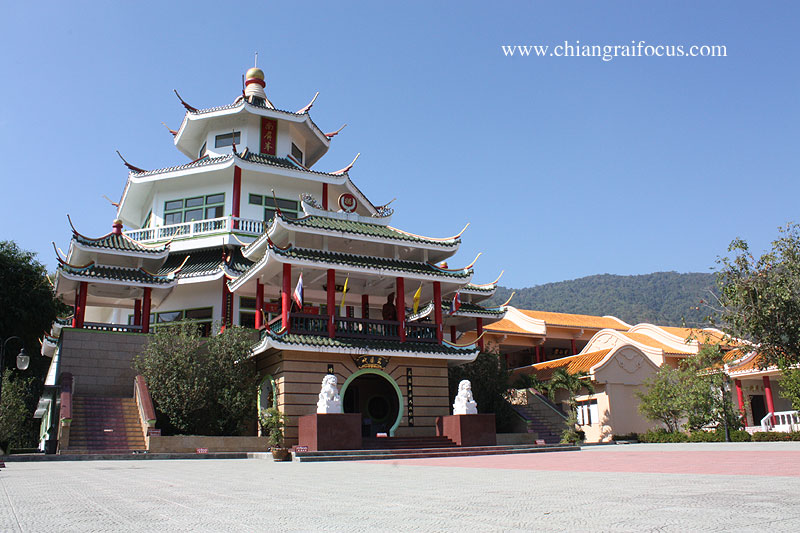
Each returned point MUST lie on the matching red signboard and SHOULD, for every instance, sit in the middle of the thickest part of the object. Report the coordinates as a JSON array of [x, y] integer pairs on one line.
[[269, 135], [202, 450], [300, 449]]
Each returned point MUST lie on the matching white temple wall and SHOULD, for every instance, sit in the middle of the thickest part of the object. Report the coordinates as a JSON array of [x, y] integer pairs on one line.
[[193, 296], [285, 188], [188, 187]]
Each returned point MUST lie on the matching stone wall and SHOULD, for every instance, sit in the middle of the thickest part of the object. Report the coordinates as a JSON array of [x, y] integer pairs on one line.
[[101, 362], [190, 444]]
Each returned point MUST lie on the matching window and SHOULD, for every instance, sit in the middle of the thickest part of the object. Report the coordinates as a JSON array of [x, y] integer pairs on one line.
[[587, 413], [201, 316], [202, 151], [196, 208], [288, 207], [147, 220], [297, 153], [247, 312], [227, 139]]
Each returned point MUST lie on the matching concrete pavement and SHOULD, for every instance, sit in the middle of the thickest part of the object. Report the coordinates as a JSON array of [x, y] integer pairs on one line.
[[599, 489]]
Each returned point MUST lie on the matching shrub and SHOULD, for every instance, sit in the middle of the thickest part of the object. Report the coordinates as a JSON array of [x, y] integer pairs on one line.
[[775, 436], [662, 435]]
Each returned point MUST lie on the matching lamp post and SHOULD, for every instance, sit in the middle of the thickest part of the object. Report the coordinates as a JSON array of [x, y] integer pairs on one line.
[[23, 360]]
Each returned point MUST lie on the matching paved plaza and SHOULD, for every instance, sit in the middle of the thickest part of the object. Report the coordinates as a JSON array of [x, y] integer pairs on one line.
[[680, 487]]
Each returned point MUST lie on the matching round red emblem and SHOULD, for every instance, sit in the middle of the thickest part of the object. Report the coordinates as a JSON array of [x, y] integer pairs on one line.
[[348, 202]]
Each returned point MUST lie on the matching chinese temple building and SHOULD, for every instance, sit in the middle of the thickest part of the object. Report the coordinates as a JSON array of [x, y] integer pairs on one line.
[[250, 233]]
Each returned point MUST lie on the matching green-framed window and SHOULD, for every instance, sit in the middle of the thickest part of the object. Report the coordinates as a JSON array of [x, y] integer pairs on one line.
[[227, 139], [194, 208], [202, 316], [297, 153], [290, 208]]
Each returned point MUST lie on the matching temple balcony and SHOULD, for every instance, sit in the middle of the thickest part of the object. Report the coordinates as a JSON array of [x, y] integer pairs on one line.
[[198, 228], [357, 328]]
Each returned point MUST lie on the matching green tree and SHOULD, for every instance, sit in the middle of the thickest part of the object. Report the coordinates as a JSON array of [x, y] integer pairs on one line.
[[202, 386], [490, 383], [27, 310], [661, 399], [790, 386], [759, 298], [573, 384], [16, 429]]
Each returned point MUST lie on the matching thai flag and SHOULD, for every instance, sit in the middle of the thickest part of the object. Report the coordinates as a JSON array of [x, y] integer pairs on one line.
[[297, 295], [455, 305]]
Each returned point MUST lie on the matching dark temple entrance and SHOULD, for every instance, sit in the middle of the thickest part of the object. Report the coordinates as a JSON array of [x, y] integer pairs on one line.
[[375, 398]]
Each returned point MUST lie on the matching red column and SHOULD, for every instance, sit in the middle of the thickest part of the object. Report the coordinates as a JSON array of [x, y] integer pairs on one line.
[[331, 303], [740, 397], [76, 306], [479, 331], [365, 306], [453, 334], [437, 309], [572, 343], [146, 310], [137, 312], [538, 353], [227, 307], [285, 292], [237, 194], [768, 394], [80, 312], [400, 299], [259, 305], [325, 196]]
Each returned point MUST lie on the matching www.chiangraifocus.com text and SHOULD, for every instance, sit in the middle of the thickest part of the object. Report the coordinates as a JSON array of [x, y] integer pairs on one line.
[[607, 52]]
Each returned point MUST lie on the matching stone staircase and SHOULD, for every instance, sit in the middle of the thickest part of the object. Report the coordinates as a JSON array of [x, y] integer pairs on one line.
[[421, 453], [541, 418], [400, 443], [105, 425]]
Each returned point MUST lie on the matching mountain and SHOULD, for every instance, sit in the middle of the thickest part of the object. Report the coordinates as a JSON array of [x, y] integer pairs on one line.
[[664, 298]]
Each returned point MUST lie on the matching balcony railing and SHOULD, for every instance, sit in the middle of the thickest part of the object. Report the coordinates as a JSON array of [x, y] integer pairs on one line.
[[99, 326], [358, 328], [198, 228]]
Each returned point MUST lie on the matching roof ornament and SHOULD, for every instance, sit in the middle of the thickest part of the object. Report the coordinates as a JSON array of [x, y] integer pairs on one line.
[[112, 202], [498, 278], [467, 345], [509, 298], [383, 211], [335, 133], [473, 261], [254, 85], [71, 225], [173, 132], [307, 107], [277, 207], [58, 250], [130, 167], [346, 169], [188, 107]]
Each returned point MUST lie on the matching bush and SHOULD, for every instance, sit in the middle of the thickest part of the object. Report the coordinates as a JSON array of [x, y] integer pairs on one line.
[[662, 435], [775, 436], [706, 436], [200, 386], [15, 412]]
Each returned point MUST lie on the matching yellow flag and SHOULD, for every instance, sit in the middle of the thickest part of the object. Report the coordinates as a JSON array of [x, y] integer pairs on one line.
[[417, 296], [344, 292]]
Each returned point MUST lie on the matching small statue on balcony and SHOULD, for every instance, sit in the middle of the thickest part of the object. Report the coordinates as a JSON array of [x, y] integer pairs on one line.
[[389, 310], [329, 401], [465, 404]]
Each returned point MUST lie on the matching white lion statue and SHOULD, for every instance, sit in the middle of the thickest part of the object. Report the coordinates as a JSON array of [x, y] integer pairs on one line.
[[465, 403], [329, 401]]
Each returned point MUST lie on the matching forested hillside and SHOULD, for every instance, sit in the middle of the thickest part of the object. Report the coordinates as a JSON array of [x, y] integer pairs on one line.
[[665, 298]]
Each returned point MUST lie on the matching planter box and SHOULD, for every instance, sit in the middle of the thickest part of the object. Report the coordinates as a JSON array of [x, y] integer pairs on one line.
[[190, 444], [468, 430], [341, 431]]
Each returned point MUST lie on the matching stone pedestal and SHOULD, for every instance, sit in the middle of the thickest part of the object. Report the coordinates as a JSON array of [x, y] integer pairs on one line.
[[468, 430], [339, 431]]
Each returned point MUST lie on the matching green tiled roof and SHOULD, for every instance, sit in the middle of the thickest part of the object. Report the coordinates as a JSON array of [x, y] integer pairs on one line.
[[118, 242], [369, 344], [283, 162], [480, 288], [473, 308], [121, 274], [364, 228], [204, 262], [362, 261], [199, 163]]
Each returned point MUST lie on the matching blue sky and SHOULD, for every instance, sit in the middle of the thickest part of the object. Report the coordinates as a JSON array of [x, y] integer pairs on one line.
[[564, 167]]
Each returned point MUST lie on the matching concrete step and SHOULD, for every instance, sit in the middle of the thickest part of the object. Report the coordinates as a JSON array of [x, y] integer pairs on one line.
[[373, 455]]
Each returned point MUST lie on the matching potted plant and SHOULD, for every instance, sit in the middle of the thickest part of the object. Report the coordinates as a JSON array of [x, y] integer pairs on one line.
[[273, 423]]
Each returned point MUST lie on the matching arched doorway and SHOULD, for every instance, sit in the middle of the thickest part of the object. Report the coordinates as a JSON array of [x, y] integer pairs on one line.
[[377, 397]]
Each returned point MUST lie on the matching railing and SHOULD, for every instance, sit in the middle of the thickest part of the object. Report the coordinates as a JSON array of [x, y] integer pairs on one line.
[[100, 326], [197, 228], [784, 421], [65, 414], [357, 328], [147, 414], [421, 332]]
